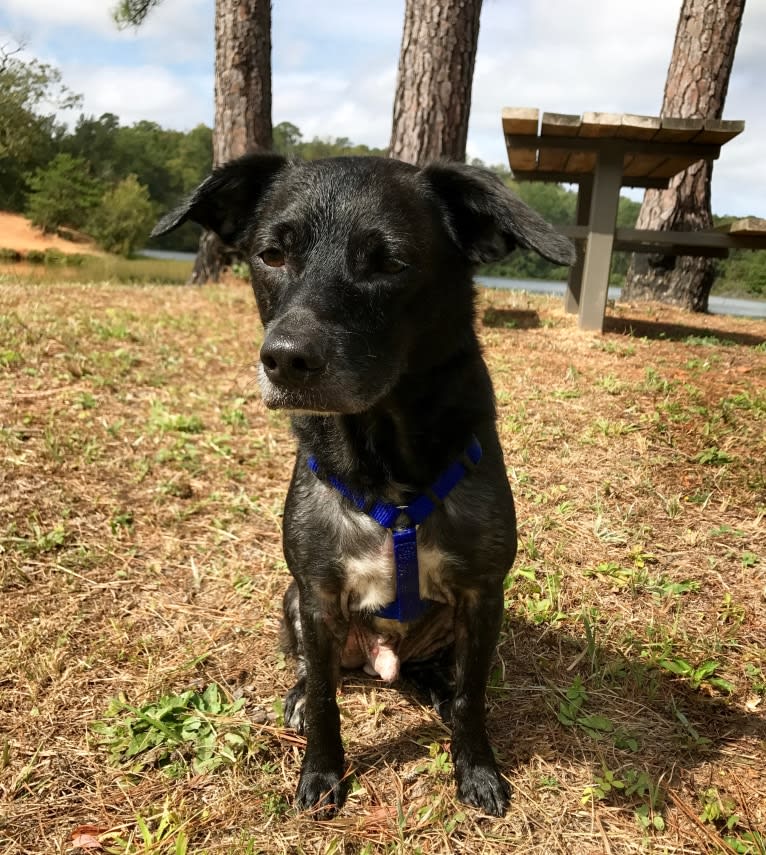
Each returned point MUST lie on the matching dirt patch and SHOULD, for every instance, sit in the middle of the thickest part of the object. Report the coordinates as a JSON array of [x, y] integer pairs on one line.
[[141, 494], [16, 232]]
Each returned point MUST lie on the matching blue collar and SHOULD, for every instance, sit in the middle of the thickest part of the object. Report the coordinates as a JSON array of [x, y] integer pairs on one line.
[[402, 521]]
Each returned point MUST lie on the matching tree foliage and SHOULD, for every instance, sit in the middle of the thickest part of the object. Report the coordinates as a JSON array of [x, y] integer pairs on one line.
[[30, 93], [132, 13], [26, 87], [123, 218], [63, 193]]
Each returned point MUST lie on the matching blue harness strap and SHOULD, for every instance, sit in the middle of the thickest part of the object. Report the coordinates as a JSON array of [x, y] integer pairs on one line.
[[408, 603]]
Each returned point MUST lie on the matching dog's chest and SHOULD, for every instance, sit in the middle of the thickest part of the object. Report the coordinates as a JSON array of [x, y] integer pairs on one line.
[[370, 575]]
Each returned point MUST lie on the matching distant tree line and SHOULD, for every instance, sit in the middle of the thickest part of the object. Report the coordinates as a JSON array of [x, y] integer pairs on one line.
[[102, 177], [112, 180]]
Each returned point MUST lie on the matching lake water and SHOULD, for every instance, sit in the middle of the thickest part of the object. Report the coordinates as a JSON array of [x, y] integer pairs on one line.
[[717, 305], [168, 254]]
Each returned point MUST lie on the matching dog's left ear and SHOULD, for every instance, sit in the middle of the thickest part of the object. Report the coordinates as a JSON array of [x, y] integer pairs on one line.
[[225, 201], [487, 221]]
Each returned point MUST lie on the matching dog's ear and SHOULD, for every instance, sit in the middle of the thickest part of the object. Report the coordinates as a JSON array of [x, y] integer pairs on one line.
[[226, 199], [487, 221]]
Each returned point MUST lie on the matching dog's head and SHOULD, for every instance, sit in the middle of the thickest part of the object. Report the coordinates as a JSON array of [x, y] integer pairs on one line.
[[361, 267]]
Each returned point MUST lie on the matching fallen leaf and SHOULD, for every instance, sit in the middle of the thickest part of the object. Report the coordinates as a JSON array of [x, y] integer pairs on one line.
[[87, 837]]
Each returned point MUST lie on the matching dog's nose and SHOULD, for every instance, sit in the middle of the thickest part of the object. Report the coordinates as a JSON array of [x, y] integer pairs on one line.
[[292, 360]]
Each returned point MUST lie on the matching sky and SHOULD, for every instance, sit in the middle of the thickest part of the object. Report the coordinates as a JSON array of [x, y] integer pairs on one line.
[[334, 68]]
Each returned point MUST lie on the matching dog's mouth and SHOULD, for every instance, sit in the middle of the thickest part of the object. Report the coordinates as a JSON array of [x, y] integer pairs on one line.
[[311, 399], [278, 397], [327, 396]]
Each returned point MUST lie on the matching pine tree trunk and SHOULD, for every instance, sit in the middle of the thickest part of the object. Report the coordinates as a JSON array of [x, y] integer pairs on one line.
[[433, 90], [698, 77], [242, 102]]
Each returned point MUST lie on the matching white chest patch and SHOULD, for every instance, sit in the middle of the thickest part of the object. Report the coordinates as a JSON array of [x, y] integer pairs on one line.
[[371, 579]]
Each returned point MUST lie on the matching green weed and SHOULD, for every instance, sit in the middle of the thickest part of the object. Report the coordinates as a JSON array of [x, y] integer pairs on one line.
[[721, 811], [439, 763], [235, 415], [197, 729], [608, 346], [654, 382], [9, 357], [571, 713], [632, 785], [712, 456], [163, 421], [39, 541], [159, 833], [121, 520], [702, 365], [709, 341], [696, 675], [539, 599], [611, 385]]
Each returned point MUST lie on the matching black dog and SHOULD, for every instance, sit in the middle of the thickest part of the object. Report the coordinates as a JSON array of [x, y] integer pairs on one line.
[[399, 525]]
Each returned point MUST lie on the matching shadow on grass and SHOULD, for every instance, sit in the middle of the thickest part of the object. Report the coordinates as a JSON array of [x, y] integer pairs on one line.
[[633, 714], [688, 333], [522, 319]]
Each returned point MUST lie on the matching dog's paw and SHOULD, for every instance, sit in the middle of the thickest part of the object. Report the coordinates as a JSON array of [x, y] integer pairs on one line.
[[481, 785], [295, 706], [321, 792]]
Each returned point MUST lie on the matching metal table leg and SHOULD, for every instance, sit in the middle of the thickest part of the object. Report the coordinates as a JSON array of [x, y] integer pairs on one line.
[[607, 180], [574, 282]]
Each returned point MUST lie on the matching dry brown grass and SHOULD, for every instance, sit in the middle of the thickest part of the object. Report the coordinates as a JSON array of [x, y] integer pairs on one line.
[[140, 554]]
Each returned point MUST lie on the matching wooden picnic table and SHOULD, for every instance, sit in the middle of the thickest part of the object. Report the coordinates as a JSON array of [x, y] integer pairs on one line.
[[602, 152]]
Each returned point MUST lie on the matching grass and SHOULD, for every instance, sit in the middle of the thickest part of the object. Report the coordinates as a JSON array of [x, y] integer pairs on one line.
[[141, 574], [96, 269]]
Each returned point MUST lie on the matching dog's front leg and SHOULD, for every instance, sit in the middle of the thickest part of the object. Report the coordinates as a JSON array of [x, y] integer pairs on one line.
[[321, 782], [477, 627]]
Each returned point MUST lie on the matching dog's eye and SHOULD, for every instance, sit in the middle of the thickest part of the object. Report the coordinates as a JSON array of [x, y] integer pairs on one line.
[[273, 258]]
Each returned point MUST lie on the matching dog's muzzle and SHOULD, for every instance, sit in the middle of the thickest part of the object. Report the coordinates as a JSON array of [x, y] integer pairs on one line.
[[293, 360]]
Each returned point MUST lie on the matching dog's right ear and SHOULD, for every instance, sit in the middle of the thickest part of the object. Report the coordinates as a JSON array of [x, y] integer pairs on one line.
[[226, 199]]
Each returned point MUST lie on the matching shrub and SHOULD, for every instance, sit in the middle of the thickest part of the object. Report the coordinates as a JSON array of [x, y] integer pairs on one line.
[[124, 218], [35, 256], [54, 256], [7, 254]]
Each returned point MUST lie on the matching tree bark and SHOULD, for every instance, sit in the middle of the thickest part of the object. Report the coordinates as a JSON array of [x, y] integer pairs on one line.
[[698, 77], [242, 102], [433, 90]]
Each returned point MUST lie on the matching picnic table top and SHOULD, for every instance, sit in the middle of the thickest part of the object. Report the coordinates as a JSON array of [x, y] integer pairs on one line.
[[564, 148]]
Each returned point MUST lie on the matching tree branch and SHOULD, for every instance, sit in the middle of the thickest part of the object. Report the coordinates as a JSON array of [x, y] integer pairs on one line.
[[132, 13]]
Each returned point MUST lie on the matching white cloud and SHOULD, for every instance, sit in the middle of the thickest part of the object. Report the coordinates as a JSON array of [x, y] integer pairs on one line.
[[177, 31], [176, 18], [360, 21], [94, 17], [336, 106], [143, 92]]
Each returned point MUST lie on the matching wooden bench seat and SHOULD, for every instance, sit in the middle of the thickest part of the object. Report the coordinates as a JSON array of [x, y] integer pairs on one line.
[[748, 233], [745, 226]]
